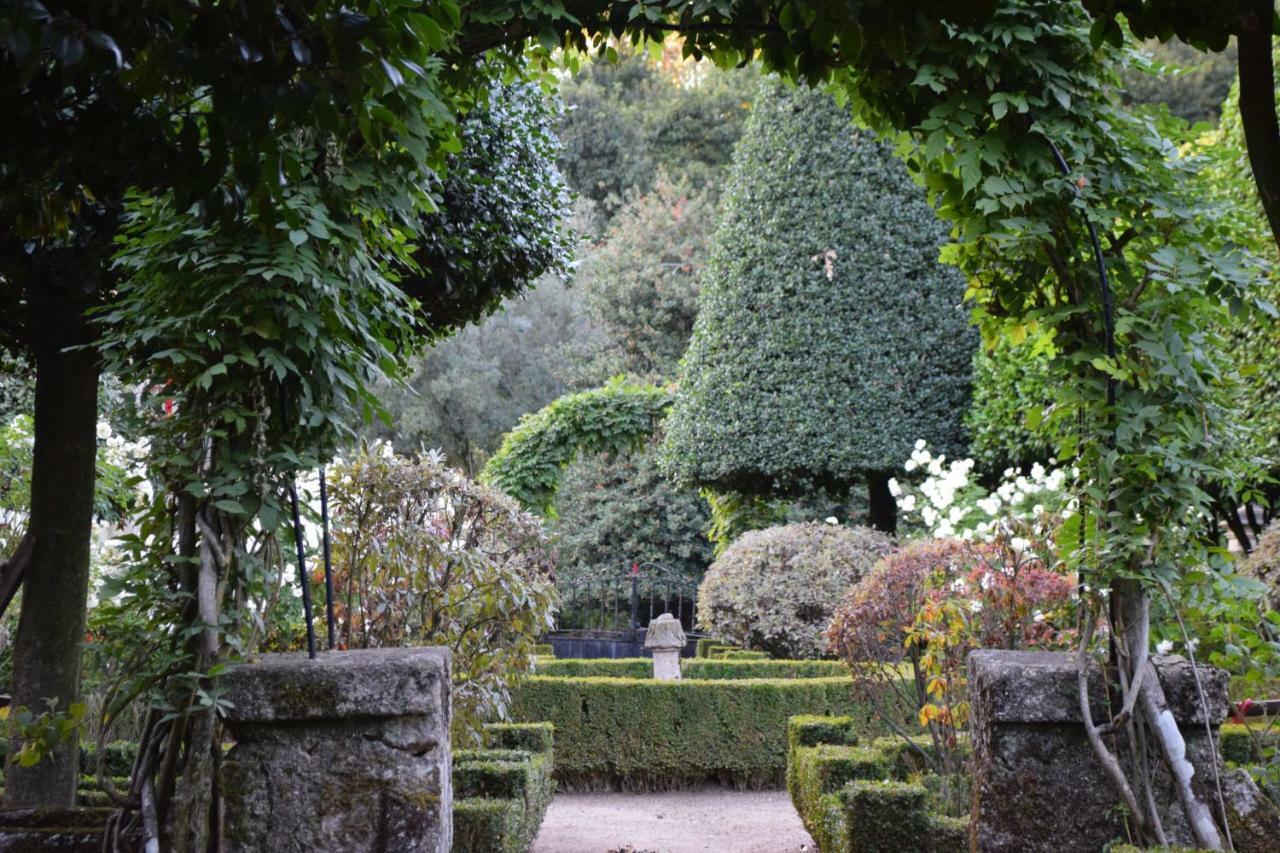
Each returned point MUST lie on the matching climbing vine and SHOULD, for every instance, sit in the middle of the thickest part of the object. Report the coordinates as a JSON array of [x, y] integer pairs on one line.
[[617, 417]]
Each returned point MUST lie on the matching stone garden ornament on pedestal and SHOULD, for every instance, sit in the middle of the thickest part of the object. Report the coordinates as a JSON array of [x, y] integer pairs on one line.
[[665, 639], [347, 752]]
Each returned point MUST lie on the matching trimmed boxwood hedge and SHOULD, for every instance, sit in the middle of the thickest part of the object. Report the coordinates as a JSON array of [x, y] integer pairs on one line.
[[851, 796], [501, 793], [704, 644], [1243, 743], [644, 734], [694, 668]]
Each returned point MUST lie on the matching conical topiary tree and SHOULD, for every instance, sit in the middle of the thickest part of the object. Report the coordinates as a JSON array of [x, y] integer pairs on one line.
[[829, 338]]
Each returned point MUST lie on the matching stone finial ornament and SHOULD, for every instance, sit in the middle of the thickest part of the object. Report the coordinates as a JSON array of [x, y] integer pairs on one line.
[[665, 639]]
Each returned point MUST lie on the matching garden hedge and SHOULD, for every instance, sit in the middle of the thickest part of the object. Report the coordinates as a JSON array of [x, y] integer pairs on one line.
[[501, 793], [829, 337], [704, 645], [644, 734], [851, 796], [693, 668]]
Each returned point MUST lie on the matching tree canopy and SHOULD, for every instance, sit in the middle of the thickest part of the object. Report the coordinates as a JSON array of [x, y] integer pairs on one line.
[[829, 338]]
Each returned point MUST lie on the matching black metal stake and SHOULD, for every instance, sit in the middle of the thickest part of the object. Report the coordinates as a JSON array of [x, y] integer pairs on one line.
[[328, 561], [302, 569]]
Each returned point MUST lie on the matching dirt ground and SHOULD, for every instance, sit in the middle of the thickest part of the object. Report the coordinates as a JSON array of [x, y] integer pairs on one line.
[[714, 820]]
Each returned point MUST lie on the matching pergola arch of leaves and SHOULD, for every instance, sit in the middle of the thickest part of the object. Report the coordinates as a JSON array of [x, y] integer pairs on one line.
[[615, 418]]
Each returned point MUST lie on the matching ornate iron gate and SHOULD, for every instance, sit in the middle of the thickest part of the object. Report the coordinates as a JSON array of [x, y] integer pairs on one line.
[[605, 613]]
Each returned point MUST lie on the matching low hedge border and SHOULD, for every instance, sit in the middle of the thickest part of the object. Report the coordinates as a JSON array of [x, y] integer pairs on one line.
[[693, 668], [641, 734], [704, 645], [854, 798], [1244, 743], [501, 792]]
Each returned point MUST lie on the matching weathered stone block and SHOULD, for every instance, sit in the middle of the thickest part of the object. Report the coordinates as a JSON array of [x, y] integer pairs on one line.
[[349, 752], [44, 830], [1038, 788]]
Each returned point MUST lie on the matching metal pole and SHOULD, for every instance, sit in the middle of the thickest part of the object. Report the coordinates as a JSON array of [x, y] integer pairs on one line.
[[302, 569], [328, 562], [635, 599]]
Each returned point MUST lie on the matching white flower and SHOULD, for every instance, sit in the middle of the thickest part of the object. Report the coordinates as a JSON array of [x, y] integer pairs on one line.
[[1037, 472], [910, 465], [921, 444], [1164, 647], [930, 516], [1037, 617], [1193, 644], [990, 504], [944, 530], [907, 503], [104, 430], [894, 488], [975, 606], [831, 519], [1019, 544]]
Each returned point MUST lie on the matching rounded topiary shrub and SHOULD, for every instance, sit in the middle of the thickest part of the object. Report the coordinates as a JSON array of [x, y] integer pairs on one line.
[[775, 589]]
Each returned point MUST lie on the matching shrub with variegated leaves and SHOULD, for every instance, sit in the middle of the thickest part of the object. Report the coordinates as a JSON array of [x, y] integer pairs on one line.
[[423, 556]]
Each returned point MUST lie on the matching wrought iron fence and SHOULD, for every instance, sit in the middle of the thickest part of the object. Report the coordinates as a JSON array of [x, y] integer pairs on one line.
[[626, 598]]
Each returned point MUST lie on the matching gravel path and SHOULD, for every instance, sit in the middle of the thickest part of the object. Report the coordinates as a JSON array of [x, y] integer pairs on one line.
[[713, 820]]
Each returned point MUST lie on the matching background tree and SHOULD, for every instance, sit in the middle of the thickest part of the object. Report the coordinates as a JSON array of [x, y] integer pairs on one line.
[[829, 338], [1191, 83], [641, 280], [625, 122], [615, 509], [471, 388]]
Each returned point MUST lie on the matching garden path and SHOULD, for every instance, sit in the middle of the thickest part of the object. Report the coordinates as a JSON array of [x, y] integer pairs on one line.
[[713, 820]]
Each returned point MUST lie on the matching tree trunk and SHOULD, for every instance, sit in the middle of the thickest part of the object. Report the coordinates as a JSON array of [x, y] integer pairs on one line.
[[882, 509], [1258, 105], [51, 627]]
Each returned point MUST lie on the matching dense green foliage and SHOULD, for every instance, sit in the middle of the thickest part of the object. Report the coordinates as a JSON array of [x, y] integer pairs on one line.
[[1254, 342], [501, 792], [499, 215], [856, 798], [829, 338], [693, 669], [642, 733], [619, 509], [424, 556], [965, 91], [618, 417], [1010, 385], [641, 280], [629, 121], [775, 589]]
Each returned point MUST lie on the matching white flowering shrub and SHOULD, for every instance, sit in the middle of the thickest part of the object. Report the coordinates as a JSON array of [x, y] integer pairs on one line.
[[949, 502]]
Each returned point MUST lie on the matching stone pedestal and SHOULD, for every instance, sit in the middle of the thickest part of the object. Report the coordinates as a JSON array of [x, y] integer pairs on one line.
[[665, 640], [1038, 788], [349, 752]]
